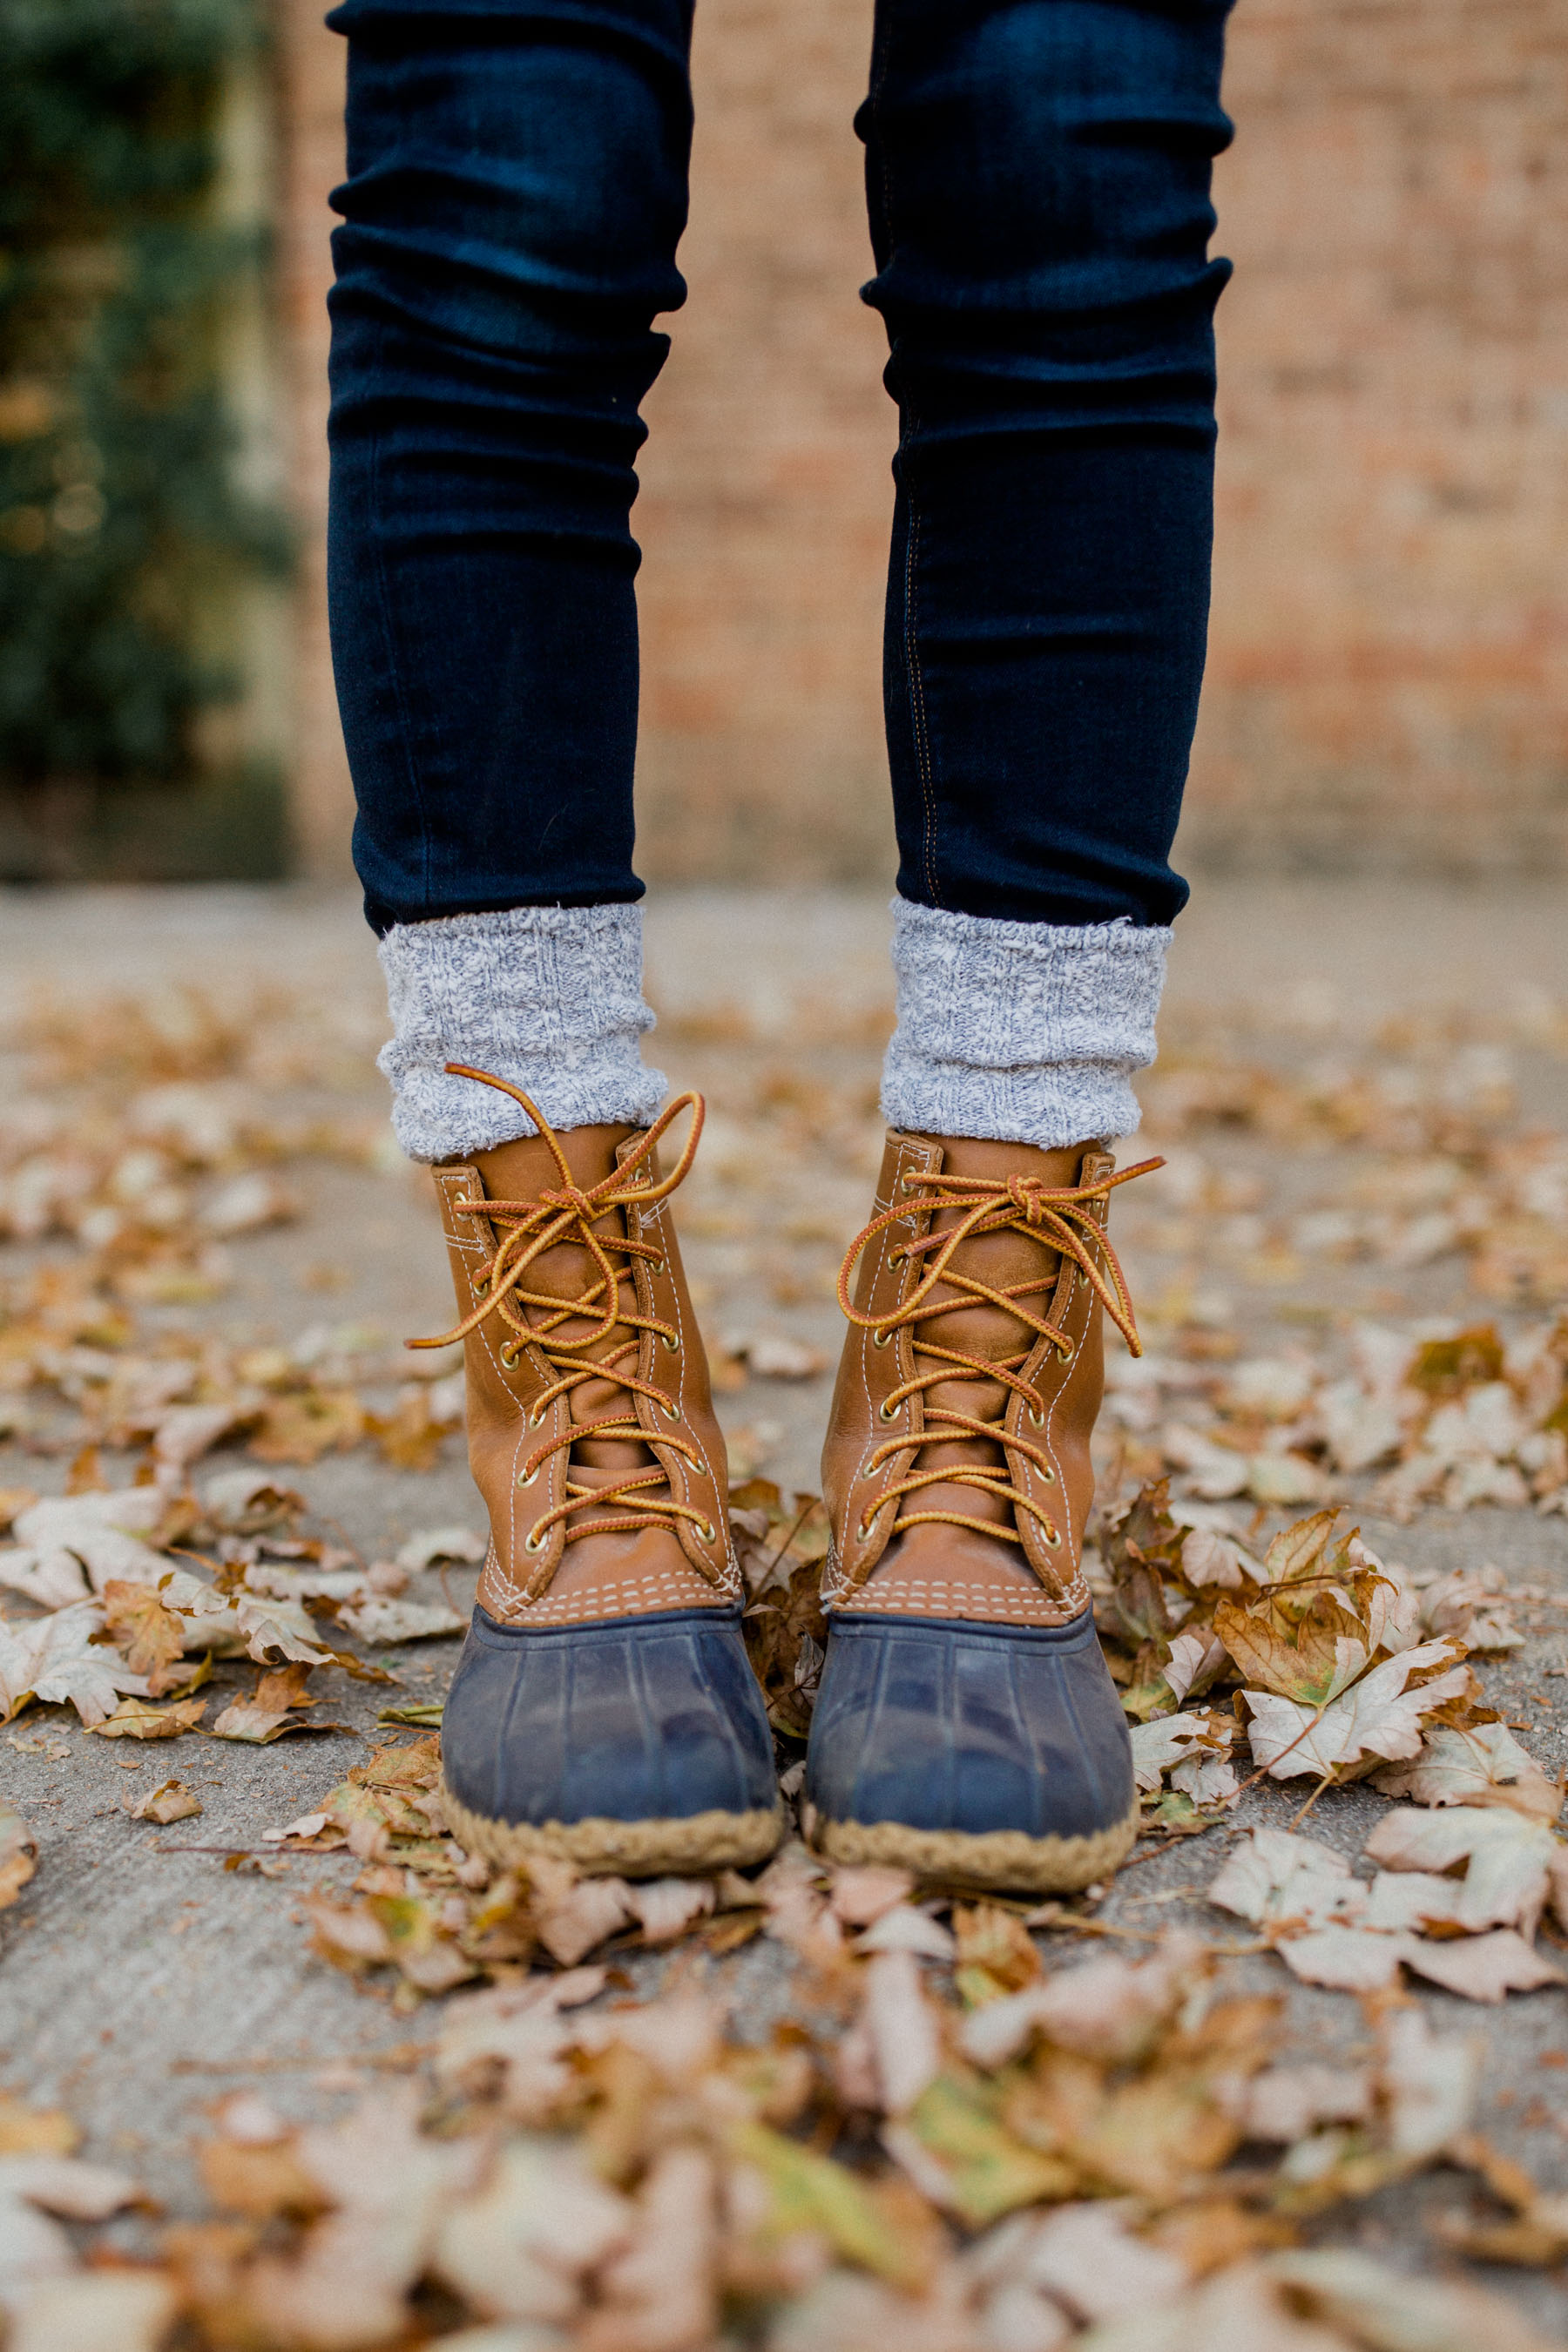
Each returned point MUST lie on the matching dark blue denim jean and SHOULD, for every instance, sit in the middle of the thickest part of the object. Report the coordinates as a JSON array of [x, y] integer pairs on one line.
[[1037, 177]]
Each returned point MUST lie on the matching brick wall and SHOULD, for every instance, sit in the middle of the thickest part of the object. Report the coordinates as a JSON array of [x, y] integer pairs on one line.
[[1389, 664]]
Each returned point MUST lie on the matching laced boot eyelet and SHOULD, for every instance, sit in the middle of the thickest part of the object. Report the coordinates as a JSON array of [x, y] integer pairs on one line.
[[880, 1338], [1048, 1476], [670, 1408], [1053, 1541], [481, 1284], [667, 1341], [531, 1544], [886, 1412], [509, 1350], [708, 1531], [536, 1420], [868, 1521], [530, 1477], [655, 1266], [1037, 1418]]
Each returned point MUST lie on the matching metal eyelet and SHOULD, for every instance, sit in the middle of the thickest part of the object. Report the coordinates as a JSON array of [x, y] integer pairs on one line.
[[531, 1476], [1053, 1541], [481, 1284], [864, 1530], [1048, 1476], [1037, 1419], [707, 1530], [672, 1344], [530, 1544], [537, 1419], [886, 1412], [670, 1408], [655, 1265], [880, 1338], [510, 1350]]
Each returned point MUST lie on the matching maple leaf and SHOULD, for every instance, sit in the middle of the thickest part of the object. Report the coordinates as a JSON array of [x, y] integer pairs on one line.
[[1376, 1717], [1511, 1865], [53, 1661], [151, 1637], [1480, 1765], [1311, 1630]]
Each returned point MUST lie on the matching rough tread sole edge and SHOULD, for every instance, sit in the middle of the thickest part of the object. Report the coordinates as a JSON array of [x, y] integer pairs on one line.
[[995, 1859], [696, 1843]]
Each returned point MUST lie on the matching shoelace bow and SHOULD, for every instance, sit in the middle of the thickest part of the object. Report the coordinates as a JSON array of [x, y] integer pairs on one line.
[[1061, 1218], [524, 1231]]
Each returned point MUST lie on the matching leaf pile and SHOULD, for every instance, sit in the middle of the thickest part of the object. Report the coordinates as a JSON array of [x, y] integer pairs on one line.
[[1459, 1420], [1118, 2154], [126, 1589]]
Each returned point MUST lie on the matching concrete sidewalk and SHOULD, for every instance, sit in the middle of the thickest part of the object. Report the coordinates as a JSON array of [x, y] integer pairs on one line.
[[139, 1979]]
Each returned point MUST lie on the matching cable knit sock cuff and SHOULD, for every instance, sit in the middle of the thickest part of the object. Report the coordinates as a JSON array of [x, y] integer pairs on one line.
[[550, 997], [1026, 1033]]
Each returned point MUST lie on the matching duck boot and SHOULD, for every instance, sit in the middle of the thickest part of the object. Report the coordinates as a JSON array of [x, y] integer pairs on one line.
[[967, 1726], [603, 1709]]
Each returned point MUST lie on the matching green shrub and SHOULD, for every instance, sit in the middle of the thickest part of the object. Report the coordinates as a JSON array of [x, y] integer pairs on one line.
[[124, 533]]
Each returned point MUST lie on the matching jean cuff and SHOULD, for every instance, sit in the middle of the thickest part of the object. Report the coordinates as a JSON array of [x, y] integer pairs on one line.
[[548, 997], [1024, 1032]]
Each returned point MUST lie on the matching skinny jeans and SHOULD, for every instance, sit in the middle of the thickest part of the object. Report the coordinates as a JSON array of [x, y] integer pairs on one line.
[[1037, 177]]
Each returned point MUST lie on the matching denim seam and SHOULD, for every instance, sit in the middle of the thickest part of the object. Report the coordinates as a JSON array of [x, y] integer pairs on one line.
[[916, 690], [405, 717]]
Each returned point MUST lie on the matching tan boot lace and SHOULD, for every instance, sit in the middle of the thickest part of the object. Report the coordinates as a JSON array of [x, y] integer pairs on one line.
[[526, 1229], [1061, 1218]]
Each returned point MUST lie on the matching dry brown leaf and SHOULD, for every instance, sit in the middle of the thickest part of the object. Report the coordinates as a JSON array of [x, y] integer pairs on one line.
[[1513, 1864], [1481, 1968], [136, 1719], [151, 1637], [18, 1855], [304, 1426], [661, 2293], [519, 2244], [170, 1801], [1108, 2009], [1482, 1764]]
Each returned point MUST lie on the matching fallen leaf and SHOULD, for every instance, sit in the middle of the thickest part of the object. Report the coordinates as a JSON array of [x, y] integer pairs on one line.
[[665, 1907], [1482, 1764], [1482, 1968], [54, 1661], [900, 2028], [170, 1801], [1396, 2311], [1347, 1960], [1108, 2009], [381, 1622], [907, 1929], [19, 1856], [661, 2293], [519, 2244], [1509, 1862], [151, 1637], [1376, 1716], [137, 1718]]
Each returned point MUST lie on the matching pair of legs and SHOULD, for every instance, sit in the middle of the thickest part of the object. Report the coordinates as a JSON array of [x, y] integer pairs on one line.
[[1037, 177]]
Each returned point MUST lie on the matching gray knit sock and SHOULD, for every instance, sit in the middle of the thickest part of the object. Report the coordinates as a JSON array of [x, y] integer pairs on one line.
[[1024, 1032], [550, 997]]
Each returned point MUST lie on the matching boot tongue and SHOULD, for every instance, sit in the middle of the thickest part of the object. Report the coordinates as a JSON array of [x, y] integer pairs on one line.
[[1003, 1260], [522, 1171]]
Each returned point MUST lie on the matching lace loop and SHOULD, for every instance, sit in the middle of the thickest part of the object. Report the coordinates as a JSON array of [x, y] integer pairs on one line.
[[568, 1214], [1063, 1218]]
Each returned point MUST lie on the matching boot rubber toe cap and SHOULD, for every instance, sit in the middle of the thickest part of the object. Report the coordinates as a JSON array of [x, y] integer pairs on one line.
[[992, 1755], [638, 1744]]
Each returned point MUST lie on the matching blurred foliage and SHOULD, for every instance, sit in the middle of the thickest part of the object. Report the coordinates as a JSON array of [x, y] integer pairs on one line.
[[124, 530]]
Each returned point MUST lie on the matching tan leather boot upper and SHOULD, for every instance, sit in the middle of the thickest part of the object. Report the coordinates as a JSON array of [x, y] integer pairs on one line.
[[957, 1469], [591, 1435]]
